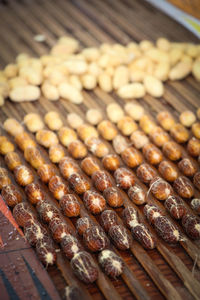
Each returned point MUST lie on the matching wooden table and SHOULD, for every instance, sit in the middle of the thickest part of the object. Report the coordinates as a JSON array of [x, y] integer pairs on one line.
[[166, 272]]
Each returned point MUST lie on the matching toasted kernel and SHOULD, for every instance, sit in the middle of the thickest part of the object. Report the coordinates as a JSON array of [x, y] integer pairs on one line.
[[126, 125], [179, 133], [146, 173], [70, 205], [47, 212], [13, 127], [183, 187], [160, 188], [113, 197], [77, 149], [33, 122], [68, 167], [56, 153], [66, 135], [168, 170], [95, 239], [70, 246], [111, 162], [139, 139], [172, 150], [102, 180], [5, 146], [196, 130], [53, 120], [94, 116], [114, 112], [34, 157], [187, 167], [58, 187], [187, 118], [134, 110], [79, 183], [46, 138], [166, 120], [175, 206], [111, 263], [132, 157], [12, 160], [86, 132], [159, 136], [191, 225], [137, 194], [120, 237], [23, 140], [22, 213], [83, 224], [34, 193], [108, 218], [119, 144], [193, 146], [97, 147], [152, 154], [84, 267], [147, 124], [11, 195], [74, 120], [196, 180], [23, 175], [107, 130], [124, 178], [45, 172], [89, 165]]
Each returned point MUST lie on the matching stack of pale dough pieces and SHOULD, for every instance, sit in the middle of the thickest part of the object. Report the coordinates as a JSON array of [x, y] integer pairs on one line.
[[131, 71]]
